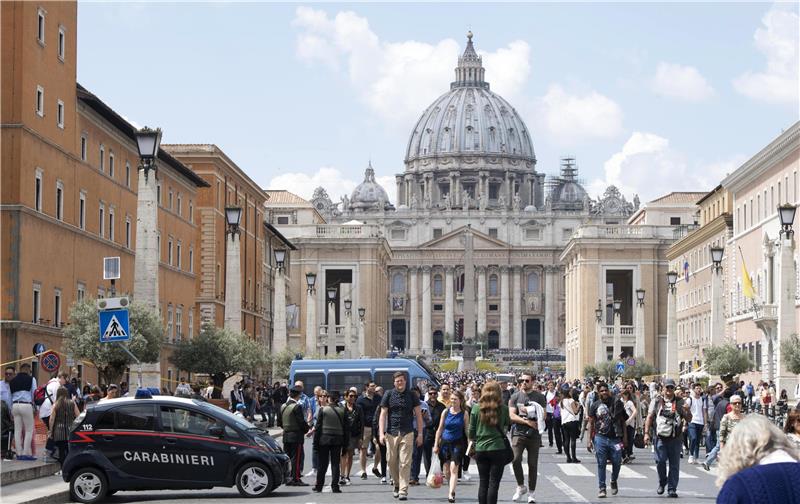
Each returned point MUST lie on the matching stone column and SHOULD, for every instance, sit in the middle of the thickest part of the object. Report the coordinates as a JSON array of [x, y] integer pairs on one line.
[[279, 340], [516, 307], [233, 283], [312, 331], [145, 275], [413, 299], [673, 370], [350, 350], [401, 193], [639, 348], [787, 323], [362, 344], [330, 329], [427, 335], [550, 306], [600, 346], [481, 272], [617, 336], [717, 307], [449, 303], [505, 341]]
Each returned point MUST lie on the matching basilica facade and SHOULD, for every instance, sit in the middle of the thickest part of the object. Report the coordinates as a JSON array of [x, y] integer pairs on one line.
[[470, 165]]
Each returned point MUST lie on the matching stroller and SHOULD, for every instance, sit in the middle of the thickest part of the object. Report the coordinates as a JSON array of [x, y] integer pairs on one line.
[[6, 431]]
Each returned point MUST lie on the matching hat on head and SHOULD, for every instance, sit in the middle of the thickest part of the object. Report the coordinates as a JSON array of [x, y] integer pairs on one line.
[[669, 382]]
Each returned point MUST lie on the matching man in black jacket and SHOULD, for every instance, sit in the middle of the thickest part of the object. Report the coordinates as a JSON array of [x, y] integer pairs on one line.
[[436, 409], [294, 426]]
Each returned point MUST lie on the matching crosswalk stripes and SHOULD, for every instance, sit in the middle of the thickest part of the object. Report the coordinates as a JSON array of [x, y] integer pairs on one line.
[[575, 470], [682, 473], [627, 472]]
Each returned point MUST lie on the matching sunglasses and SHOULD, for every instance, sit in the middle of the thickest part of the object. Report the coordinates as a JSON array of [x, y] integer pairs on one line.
[[524, 381]]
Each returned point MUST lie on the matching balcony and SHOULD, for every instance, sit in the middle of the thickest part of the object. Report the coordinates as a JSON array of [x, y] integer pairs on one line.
[[625, 330], [624, 231], [332, 231], [765, 317]]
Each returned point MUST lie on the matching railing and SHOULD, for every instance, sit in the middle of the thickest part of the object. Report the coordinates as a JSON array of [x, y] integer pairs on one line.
[[626, 330], [765, 312], [332, 231], [625, 231], [683, 230]]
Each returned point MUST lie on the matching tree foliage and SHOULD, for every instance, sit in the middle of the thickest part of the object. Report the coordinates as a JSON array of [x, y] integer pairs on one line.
[[727, 359], [83, 335], [790, 347], [607, 369], [280, 363], [641, 368], [219, 353]]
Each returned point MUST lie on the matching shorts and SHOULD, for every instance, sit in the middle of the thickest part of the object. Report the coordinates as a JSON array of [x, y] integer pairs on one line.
[[452, 451], [353, 444], [367, 436]]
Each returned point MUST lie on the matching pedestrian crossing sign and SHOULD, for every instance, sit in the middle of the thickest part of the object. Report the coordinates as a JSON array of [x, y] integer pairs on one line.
[[114, 326]]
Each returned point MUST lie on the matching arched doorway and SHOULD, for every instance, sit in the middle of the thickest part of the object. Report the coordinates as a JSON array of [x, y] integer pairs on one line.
[[438, 341], [399, 334], [493, 340], [533, 333]]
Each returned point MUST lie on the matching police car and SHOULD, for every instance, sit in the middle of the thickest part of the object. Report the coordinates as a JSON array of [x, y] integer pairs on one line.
[[162, 442]]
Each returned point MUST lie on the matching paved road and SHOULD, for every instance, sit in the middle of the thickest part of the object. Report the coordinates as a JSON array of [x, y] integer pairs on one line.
[[558, 482]]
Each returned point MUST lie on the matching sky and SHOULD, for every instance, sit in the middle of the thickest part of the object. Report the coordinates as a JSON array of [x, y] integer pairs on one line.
[[650, 97]]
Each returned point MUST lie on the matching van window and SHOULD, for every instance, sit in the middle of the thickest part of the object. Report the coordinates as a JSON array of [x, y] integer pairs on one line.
[[310, 380], [385, 379], [130, 417], [343, 380]]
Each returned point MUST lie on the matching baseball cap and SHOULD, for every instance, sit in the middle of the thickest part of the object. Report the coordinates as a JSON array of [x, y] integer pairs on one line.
[[669, 382]]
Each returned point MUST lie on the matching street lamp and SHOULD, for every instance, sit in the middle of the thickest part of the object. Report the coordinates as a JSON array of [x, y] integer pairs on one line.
[[348, 304], [311, 279], [617, 305], [598, 313], [786, 213], [716, 258], [331, 294], [232, 216], [148, 142], [280, 256], [672, 278], [361, 313], [640, 297]]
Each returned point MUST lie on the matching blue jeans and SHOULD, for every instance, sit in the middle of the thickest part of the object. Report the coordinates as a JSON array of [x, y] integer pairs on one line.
[[668, 450], [712, 455], [416, 461], [711, 440], [607, 448], [695, 434]]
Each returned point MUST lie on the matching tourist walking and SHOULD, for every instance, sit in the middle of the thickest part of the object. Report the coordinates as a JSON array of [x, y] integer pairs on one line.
[[22, 387], [355, 422], [427, 424], [726, 425], [570, 424], [435, 409], [527, 412], [667, 413], [368, 403], [698, 423], [396, 431], [632, 410], [758, 464], [293, 422], [330, 435], [60, 420], [607, 430], [489, 421], [450, 442]]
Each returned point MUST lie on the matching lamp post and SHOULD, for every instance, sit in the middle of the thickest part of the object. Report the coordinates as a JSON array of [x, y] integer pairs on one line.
[[311, 314], [617, 330], [233, 274], [348, 328], [600, 346], [717, 299], [787, 292], [362, 344], [639, 347], [331, 325], [279, 331], [145, 279], [672, 369]]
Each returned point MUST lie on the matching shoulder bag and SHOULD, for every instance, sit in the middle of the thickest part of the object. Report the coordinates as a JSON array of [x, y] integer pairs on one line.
[[508, 453]]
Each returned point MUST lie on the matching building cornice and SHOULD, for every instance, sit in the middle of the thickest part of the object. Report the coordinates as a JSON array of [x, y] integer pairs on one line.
[[720, 224], [212, 152], [754, 167]]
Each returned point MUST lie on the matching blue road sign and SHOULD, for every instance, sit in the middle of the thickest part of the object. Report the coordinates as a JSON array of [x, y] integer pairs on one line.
[[114, 326], [620, 367]]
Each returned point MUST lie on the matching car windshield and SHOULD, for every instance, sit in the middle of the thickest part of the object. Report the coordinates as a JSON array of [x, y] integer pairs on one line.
[[237, 420]]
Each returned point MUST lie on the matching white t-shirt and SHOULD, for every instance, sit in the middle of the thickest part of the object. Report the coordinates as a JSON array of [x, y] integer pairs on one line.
[[696, 407], [47, 406], [549, 396], [630, 409], [567, 415]]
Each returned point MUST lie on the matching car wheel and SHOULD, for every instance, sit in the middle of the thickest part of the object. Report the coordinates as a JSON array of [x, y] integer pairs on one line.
[[88, 485], [253, 480]]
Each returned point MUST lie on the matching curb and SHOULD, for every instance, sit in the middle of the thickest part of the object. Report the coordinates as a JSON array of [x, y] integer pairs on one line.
[[28, 473], [56, 498]]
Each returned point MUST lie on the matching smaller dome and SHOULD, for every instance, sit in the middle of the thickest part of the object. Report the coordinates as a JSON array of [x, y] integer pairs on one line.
[[369, 195]]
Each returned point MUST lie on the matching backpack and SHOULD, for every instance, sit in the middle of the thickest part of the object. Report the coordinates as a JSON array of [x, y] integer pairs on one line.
[[668, 423], [40, 394]]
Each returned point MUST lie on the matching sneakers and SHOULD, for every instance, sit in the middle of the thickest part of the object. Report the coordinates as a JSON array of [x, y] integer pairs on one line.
[[403, 497], [396, 492], [705, 466], [347, 481], [531, 499], [692, 460], [660, 490], [312, 472], [363, 475], [465, 476], [521, 490], [673, 494], [383, 480], [376, 472], [602, 493], [614, 488], [336, 490]]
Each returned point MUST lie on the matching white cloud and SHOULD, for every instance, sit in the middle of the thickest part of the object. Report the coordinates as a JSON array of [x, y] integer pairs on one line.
[[649, 166], [683, 82], [332, 179], [778, 40], [397, 80], [572, 117]]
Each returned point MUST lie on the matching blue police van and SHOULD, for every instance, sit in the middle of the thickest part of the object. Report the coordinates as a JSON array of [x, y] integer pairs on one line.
[[341, 374]]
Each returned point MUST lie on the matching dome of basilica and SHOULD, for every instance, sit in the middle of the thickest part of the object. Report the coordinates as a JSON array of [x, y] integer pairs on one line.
[[368, 195], [470, 120]]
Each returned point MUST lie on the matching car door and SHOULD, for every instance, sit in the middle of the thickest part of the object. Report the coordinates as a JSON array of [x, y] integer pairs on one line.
[[127, 436], [196, 452]]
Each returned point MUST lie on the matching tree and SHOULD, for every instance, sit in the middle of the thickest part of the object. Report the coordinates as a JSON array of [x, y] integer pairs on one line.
[[219, 353], [641, 368], [608, 369], [281, 362], [790, 348], [83, 339], [727, 359]]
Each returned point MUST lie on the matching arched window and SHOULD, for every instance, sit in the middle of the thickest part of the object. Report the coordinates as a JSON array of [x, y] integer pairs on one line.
[[493, 340], [437, 285], [533, 282], [398, 283], [493, 285]]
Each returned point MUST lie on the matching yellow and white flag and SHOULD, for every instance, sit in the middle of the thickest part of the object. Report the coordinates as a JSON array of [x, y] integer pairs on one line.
[[747, 283]]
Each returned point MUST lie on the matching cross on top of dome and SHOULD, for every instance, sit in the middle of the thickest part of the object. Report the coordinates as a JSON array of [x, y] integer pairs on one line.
[[470, 71]]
